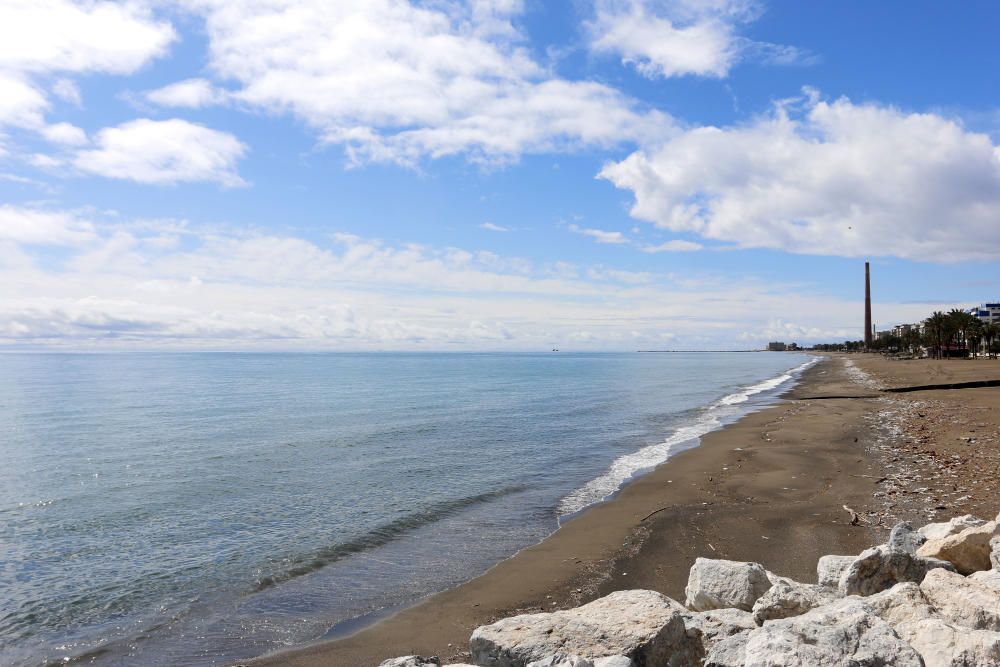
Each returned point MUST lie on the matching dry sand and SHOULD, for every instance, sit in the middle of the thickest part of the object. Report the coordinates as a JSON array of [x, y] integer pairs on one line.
[[769, 488]]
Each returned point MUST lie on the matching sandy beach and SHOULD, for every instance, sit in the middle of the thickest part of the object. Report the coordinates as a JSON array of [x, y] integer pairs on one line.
[[770, 488]]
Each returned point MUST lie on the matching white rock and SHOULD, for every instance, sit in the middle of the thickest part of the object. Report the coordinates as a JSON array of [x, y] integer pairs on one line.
[[718, 624], [995, 553], [900, 604], [562, 660], [942, 644], [716, 584], [614, 661], [411, 661], [962, 601], [968, 551], [880, 568], [842, 633], [790, 598], [830, 568], [936, 531], [990, 578], [644, 626], [904, 538]]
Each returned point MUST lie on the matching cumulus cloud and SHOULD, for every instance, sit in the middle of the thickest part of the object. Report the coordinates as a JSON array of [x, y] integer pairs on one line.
[[667, 38], [82, 36], [192, 93], [39, 37], [21, 103], [65, 134], [830, 178], [396, 82], [164, 152]]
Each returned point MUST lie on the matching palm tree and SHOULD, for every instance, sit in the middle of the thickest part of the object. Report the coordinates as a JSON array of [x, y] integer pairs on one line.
[[974, 333], [990, 333], [935, 328]]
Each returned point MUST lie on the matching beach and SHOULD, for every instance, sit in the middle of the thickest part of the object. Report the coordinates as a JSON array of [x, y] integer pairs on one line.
[[770, 488]]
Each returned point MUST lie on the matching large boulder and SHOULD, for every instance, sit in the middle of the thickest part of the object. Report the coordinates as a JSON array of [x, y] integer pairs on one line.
[[881, 568], [830, 568], [842, 633], [644, 626], [962, 601], [411, 661], [717, 584], [943, 644], [995, 553], [790, 598], [901, 604], [716, 625], [936, 531], [968, 551], [989, 578]]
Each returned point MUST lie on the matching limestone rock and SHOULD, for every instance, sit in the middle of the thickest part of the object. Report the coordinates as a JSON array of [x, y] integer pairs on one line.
[[830, 568], [901, 604], [990, 578], [718, 624], [936, 531], [614, 661], [881, 568], [942, 644], [716, 584], [790, 598], [968, 551], [995, 553], [904, 539], [844, 632], [644, 626], [962, 601], [562, 660], [411, 661]]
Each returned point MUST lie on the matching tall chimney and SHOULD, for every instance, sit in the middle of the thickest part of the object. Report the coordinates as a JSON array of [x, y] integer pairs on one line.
[[868, 308]]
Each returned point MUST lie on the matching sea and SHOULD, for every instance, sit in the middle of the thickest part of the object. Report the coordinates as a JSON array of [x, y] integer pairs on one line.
[[201, 508]]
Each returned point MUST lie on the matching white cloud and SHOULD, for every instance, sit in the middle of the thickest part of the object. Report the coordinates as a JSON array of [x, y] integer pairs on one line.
[[667, 38], [68, 91], [396, 82], [494, 227], [600, 235], [164, 152], [84, 36], [192, 93], [132, 283], [44, 227], [826, 178], [21, 104], [65, 134], [677, 245]]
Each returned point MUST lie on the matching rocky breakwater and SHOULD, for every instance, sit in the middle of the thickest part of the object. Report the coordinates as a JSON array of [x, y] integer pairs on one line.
[[928, 597]]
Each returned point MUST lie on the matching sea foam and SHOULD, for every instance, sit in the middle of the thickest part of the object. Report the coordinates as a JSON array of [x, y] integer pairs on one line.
[[684, 437]]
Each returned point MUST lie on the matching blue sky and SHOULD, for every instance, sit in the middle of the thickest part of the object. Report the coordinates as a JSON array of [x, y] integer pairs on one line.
[[491, 174]]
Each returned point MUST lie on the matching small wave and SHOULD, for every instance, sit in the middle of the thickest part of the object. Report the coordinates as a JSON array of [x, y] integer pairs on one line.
[[625, 467], [306, 563]]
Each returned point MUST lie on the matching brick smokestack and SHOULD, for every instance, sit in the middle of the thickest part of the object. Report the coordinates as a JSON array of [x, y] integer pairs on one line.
[[868, 308]]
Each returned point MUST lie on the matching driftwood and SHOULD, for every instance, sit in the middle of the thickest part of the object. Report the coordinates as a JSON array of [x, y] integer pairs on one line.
[[855, 518]]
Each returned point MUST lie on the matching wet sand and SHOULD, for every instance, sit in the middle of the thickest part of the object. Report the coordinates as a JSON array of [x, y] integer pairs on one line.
[[769, 488]]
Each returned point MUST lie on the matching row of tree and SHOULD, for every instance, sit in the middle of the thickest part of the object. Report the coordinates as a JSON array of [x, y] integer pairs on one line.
[[956, 333]]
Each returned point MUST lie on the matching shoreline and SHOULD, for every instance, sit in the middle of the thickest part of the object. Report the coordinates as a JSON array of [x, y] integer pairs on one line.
[[701, 502]]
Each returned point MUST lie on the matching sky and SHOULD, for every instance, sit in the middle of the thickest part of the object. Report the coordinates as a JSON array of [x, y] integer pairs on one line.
[[491, 174]]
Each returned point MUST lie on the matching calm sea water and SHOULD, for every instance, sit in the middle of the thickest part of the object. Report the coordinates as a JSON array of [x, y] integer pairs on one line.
[[164, 509]]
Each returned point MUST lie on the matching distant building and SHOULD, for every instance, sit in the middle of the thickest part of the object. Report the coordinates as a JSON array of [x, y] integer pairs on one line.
[[776, 347], [989, 313]]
